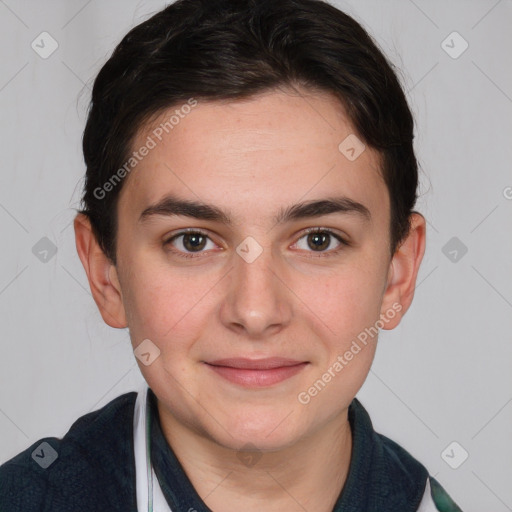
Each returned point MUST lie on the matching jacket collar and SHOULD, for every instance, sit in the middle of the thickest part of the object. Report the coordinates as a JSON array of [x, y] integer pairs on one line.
[[383, 477]]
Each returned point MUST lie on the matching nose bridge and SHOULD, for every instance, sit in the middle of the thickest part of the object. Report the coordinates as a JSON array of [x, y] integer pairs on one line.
[[256, 300]]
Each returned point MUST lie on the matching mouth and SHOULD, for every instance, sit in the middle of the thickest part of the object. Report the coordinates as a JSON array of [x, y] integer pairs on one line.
[[257, 372]]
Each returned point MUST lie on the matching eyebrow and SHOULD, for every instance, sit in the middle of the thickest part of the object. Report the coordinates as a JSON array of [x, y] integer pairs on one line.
[[174, 206]]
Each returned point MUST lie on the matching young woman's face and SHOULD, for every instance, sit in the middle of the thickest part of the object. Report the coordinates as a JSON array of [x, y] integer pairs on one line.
[[248, 281]]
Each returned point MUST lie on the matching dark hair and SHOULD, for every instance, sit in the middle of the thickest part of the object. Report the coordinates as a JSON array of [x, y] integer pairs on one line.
[[233, 49]]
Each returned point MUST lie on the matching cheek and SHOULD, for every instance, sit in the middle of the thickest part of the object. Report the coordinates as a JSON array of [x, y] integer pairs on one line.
[[347, 301], [349, 306], [158, 300]]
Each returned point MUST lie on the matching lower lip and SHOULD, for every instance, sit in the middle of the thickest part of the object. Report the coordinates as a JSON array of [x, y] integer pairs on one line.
[[257, 378]]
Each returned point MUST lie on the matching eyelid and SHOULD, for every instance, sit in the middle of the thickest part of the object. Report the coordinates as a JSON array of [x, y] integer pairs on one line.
[[321, 229], [187, 231], [184, 231]]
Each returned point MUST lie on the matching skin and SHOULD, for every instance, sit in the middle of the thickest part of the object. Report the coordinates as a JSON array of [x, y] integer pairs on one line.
[[250, 158]]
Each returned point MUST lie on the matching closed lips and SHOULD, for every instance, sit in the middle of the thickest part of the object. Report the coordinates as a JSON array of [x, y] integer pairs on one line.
[[256, 364]]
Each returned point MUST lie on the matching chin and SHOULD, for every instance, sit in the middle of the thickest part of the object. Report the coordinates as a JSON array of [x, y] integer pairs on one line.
[[257, 443], [270, 432]]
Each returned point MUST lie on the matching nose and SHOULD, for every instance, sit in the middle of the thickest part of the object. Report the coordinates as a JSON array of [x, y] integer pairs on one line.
[[258, 302]]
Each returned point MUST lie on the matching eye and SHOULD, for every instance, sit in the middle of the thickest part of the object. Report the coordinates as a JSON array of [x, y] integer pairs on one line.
[[188, 242], [319, 240]]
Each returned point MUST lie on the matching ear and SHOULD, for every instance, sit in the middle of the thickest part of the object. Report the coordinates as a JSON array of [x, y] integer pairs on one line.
[[403, 271], [101, 273]]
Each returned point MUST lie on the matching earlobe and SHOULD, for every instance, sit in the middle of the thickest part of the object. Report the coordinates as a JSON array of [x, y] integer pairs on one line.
[[403, 272], [101, 274]]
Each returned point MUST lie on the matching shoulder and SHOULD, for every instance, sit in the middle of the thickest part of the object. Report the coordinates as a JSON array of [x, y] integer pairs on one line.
[[393, 478], [386, 474], [91, 465], [403, 465]]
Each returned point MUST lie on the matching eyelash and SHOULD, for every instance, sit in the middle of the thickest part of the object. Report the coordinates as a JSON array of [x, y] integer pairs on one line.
[[194, 231]]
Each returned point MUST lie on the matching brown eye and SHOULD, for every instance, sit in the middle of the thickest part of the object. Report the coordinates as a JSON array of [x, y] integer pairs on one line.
[[319, 241], [194, 242], [189, 242]]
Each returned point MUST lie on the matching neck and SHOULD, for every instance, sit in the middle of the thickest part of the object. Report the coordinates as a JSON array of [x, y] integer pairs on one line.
[[306, 476]]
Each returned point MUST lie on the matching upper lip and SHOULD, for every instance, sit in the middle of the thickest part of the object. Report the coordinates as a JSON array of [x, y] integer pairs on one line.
[[256, 364]]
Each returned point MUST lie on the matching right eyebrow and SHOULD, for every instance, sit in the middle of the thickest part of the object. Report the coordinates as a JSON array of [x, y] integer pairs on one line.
[[171, 205]]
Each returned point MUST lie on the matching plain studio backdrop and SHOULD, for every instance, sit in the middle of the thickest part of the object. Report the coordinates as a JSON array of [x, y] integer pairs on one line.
[[441, 383]]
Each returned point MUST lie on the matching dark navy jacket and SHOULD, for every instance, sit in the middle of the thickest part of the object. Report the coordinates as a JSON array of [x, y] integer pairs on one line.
[[94, 469]]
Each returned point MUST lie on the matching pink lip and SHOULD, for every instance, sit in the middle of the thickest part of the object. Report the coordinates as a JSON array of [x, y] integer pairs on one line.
[[257, 372]]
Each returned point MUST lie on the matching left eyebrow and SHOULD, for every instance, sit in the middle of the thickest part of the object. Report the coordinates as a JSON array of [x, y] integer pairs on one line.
[[171, 206], [321, 207]]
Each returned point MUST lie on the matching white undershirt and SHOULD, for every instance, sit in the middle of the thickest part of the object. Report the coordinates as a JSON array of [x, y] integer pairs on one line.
[[141, 454]]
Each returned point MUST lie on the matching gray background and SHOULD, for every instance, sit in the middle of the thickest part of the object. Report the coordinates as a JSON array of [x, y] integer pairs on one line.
[[443, 375]]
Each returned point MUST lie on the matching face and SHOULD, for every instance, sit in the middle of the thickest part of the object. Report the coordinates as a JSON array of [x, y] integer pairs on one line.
[[278, 251]]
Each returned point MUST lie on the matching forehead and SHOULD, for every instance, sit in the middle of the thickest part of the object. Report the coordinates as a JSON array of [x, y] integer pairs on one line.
[[251, 156]]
